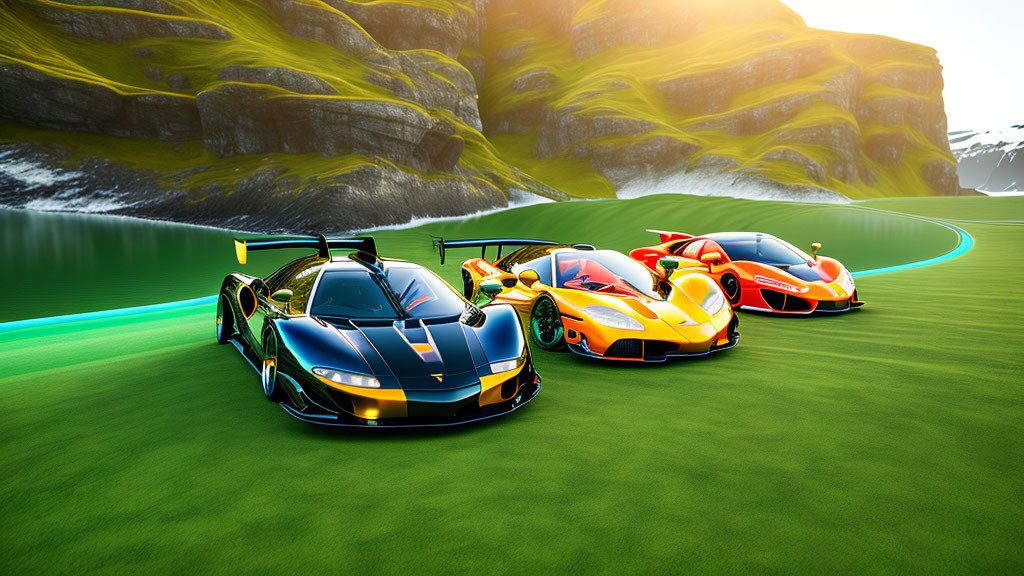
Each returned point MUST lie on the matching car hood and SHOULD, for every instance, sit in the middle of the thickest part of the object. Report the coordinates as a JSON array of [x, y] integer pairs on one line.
[[433, 355], [804, 272], [678, 310]]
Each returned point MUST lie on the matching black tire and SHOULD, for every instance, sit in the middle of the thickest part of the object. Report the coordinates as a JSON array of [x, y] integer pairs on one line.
[[546, 328], [225, 320], [268, 368], [731, 286]]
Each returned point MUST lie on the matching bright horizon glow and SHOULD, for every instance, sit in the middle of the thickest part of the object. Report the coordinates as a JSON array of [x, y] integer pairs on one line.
[[978, 44]]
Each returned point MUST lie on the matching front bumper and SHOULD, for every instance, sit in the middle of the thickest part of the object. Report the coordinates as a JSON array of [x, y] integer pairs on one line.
[[314, 415], [657, 343], [583, 350], [816, 307]]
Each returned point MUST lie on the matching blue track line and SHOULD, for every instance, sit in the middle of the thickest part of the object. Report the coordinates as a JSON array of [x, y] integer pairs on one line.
[[965, 243], [100, 315]]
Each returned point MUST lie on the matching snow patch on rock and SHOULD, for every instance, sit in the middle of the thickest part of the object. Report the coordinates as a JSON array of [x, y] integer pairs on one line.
[[704, 184], [517, 199], [84, 205], [33, 173]]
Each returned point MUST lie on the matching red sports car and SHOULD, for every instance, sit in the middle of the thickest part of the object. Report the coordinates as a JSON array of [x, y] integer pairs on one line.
[[759, 271]]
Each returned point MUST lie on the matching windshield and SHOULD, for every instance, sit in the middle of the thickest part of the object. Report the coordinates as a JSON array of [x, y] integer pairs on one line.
[[605, 271], [422, 294], [357, 294], [351, 294], [763, 249]]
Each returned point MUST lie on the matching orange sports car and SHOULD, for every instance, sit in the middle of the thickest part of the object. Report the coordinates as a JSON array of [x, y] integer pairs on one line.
[[600, 303], [759, 271]]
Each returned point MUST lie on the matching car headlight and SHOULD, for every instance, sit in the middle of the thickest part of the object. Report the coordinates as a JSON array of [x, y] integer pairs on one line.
[[347, 378], [509, 365], [506, 366], [612, 318], [713, 302]]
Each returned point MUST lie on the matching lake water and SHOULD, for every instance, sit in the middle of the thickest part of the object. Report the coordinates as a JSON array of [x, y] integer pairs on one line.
[[64, 263]]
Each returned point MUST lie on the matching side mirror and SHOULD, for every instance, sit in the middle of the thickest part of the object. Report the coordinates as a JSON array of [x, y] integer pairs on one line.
[[490, 288], [814, 248], [710, 258], [282, 295], [669, 265], [528, 277]]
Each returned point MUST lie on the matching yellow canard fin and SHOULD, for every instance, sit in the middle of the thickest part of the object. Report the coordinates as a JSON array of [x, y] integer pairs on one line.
[[240, 251]]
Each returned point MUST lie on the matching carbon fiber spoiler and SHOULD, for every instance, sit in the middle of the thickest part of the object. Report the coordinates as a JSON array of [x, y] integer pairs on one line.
[[322, 244], [441, 245]]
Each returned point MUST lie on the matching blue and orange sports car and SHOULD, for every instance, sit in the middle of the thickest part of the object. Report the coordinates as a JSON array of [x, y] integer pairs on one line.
[[359, 340]]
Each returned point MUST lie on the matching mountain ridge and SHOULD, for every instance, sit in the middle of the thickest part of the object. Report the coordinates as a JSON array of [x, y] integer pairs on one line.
[[990, 160]]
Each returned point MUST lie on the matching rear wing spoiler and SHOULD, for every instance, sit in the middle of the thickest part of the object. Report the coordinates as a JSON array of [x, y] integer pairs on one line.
[[441, 245], [322, 244], [667, 236]]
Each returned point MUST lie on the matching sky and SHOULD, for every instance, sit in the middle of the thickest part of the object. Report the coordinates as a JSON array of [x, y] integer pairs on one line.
[[979, 43]]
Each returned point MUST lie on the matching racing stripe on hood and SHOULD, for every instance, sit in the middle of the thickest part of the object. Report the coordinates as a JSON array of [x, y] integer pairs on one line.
[[452, 346], [424, 357]]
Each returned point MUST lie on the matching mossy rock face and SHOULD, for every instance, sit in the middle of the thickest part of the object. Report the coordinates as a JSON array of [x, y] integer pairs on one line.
[[600, 25], [442, 25], [314, 21], [301, 193], [571, 98], [243, 118], [38, 99], [746, 81], [93, 22], [154, 6], [712, 91], [286, 78], [377, 194], [428, 79], [293, 77]]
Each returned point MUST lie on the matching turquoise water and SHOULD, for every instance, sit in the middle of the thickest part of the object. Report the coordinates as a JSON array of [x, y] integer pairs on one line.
[[63, 263]]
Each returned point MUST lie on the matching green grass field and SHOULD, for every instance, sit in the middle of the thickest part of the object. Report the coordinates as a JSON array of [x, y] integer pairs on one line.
[[890, 439]]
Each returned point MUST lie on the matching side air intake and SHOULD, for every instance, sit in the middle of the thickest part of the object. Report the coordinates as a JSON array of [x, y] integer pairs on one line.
[[784, 302]]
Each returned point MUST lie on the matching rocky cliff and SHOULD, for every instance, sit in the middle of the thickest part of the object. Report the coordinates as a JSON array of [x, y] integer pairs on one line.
[[652, 89], [337, 114]]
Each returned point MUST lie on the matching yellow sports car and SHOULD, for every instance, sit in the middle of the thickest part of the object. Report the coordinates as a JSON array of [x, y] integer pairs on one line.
[[600, 303]]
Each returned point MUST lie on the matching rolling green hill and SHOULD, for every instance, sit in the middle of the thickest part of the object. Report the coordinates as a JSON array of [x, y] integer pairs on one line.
[[883, 440]]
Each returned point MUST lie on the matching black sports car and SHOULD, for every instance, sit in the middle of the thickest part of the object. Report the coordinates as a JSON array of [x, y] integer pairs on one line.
[[359, 340]]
